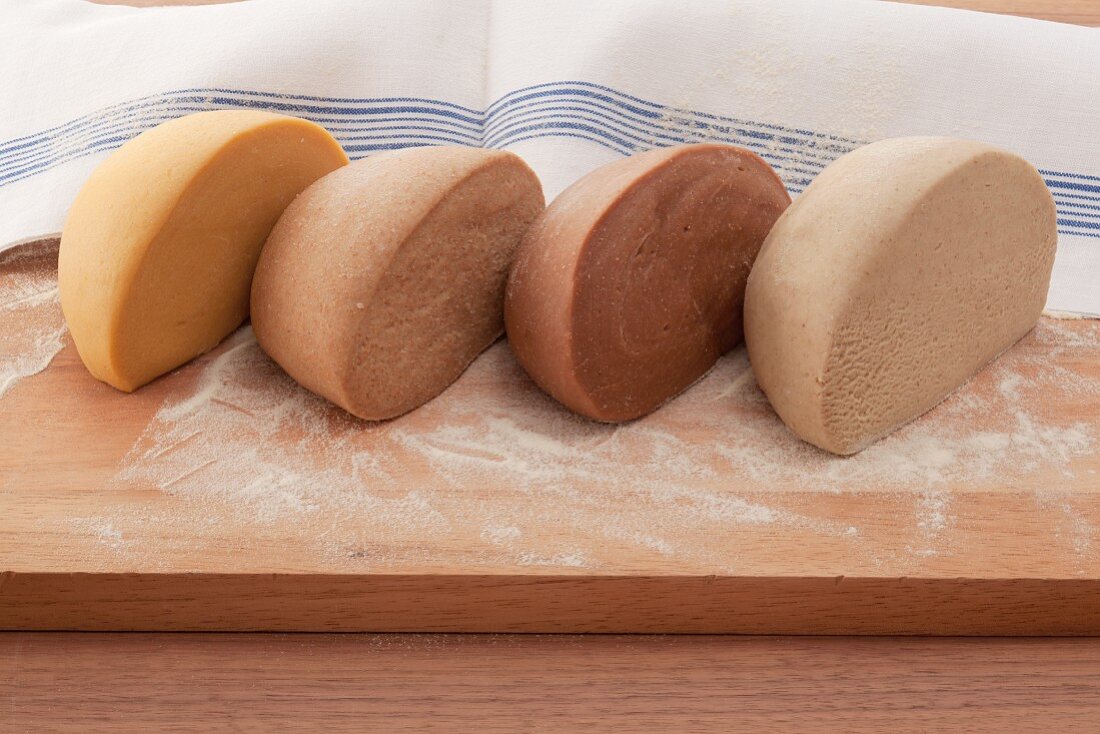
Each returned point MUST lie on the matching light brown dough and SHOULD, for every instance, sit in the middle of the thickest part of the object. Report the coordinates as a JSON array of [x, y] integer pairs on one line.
[[630, 285], [905, 267], [384, 280]]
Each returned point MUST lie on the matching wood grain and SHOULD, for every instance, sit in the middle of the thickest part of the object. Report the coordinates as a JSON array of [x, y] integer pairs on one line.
[[249, 683]]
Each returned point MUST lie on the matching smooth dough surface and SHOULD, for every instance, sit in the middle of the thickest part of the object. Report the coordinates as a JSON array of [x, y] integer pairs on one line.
[[159, 247], [630, 286], [906, 266], [385, 279]]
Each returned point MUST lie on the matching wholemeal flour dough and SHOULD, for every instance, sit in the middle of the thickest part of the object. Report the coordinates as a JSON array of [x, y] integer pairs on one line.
[[385, 279], [905, 267], [630, 285], [159, 247]]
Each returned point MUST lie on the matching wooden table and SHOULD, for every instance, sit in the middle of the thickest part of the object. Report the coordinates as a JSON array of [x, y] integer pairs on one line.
[[144, 682], [458, 683]]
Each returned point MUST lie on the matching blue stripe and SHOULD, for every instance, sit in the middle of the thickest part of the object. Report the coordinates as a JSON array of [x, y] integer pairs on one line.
[[474, 114], [343, 100], [650, 135], [1062, 196], [106, 144], [204, 96], [1072, 186], [97, 145], [144, 122], [577, 110], [175, 100], [474, 139], [512, 99], [376, 147], [77, 122], [71, 150], [663, 109], [1063, 174], [517, 96], [601, 140], [302, 110], [611, 116], [242, 92], [619, 140], [661, 112], [344, 125], [436, 139], [146, 106], [101, 145], [1091, 235], [778, 161], [501, 140], [1075, 205], [1079, 224]]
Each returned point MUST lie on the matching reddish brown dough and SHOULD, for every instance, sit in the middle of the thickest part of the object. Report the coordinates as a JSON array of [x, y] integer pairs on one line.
[[385, 279], [631, 284]]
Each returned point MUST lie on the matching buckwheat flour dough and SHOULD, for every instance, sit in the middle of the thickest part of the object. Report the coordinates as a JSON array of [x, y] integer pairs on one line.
[[902, 269], [385, 279], [159, 247], [630, 285]]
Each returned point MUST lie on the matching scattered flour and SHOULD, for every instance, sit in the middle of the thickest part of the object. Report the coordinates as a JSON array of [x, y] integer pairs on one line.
[[567, 560], [1068, 316], [32, 330], [495, 458], [102, 530], [501, 535], [239, 445]]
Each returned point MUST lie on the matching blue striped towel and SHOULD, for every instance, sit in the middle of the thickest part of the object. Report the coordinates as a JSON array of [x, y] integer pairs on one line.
[[568, 84]]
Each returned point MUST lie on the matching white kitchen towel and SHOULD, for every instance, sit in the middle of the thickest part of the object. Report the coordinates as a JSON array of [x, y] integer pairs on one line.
[[567, 84]]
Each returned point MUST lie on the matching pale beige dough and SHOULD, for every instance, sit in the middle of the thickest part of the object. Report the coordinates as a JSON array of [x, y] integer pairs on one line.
[[384, 280], [906, 266]]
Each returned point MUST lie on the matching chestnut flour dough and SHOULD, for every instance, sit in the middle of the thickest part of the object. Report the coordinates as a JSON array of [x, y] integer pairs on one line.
[[630, 285]]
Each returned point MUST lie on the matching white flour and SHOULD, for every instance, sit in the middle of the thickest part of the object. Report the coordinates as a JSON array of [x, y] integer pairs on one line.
[[32, 330], [239, 444], [102, 530], [496, 456]]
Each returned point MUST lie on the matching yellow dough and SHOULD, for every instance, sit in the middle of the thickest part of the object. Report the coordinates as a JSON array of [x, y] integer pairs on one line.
[[159, 248]]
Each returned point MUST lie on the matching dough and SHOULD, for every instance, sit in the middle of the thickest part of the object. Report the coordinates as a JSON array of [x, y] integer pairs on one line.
[[630, 285], [903, 268], [385, 279], [159, 247]]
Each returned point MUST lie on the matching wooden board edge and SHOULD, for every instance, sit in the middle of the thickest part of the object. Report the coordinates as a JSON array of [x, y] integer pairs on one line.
[[549, 604]]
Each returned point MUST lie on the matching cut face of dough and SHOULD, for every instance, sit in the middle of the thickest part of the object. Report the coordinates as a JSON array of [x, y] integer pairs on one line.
[[630, 285], [159, 247], [905, 267], [385, 279]]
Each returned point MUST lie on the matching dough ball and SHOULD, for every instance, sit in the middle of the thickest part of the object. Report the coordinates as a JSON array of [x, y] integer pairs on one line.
[[630, 286], [159, 246], [385, 279], [903, 268]]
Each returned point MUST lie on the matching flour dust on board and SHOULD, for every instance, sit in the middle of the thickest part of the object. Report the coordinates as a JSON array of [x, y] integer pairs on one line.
[[494, 458], [32, 330], [239, 445]]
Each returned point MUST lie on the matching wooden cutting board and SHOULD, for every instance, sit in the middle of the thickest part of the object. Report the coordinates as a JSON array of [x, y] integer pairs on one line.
[[224, 497]]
